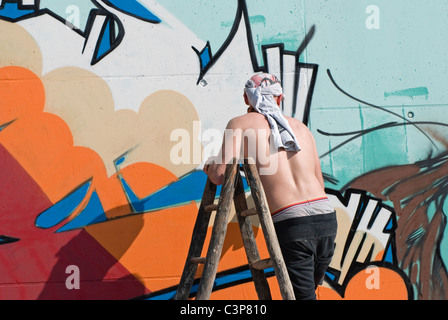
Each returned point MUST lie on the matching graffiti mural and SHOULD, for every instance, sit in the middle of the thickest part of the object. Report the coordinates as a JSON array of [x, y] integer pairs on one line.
[[92, 205]]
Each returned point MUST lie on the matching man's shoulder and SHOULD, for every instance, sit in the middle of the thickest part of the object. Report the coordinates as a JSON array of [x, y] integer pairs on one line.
[[295, 122], [240, 121]]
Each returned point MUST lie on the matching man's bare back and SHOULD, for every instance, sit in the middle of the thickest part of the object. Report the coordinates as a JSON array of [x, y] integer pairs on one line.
[[287, 177], [286, 157]]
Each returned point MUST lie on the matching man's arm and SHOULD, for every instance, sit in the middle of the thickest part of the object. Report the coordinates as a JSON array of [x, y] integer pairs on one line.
[[215, 171], [215, 167]]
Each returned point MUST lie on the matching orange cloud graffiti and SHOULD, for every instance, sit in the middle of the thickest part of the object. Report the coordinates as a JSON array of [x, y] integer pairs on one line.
[[43, 144]]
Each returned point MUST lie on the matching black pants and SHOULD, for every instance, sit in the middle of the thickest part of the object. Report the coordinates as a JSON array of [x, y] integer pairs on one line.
[[307, 245]]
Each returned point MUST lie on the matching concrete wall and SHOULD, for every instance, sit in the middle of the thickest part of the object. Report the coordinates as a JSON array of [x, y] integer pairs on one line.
[[109, 108]]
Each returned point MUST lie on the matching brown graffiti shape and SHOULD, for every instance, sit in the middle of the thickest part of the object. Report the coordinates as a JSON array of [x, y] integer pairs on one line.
[[418, 193]]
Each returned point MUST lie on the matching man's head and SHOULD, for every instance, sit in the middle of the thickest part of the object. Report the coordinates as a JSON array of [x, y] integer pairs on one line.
[[262, 80]]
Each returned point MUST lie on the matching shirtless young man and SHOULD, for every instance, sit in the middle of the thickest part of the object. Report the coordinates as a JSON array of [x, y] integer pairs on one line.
[[289, 168]]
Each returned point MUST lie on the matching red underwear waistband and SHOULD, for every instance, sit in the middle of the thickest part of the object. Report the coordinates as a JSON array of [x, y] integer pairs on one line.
[[298, 204]]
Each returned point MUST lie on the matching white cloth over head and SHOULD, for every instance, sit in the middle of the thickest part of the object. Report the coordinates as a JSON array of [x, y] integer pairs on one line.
[[261, 98]]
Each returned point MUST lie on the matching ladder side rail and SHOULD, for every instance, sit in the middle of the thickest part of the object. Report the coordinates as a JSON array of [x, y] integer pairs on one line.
[[267, 225], [218, 233], [250, 245], [197, 242]]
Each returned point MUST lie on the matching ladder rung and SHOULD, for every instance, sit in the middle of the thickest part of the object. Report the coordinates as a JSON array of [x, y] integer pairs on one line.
[[262, 264], [197, 260], [249, 212], [211, 207]]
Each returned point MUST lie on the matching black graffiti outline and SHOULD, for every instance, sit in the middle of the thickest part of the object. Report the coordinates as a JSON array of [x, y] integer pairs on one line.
[[115, 39], [21, 6], [440, 195], [355, 266], [7, 239], [242, 11], [379, 108], [359, 133], [108, 3]]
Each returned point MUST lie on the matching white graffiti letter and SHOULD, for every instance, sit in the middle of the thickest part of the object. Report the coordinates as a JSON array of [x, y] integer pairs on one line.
[[72, 281], [373, 20], [373, 281]]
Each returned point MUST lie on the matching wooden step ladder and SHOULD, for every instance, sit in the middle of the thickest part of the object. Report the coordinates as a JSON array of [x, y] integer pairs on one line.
[[233, 188]]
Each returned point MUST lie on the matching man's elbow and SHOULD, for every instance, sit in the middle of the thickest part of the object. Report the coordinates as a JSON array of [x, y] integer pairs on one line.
[[217, 179]]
